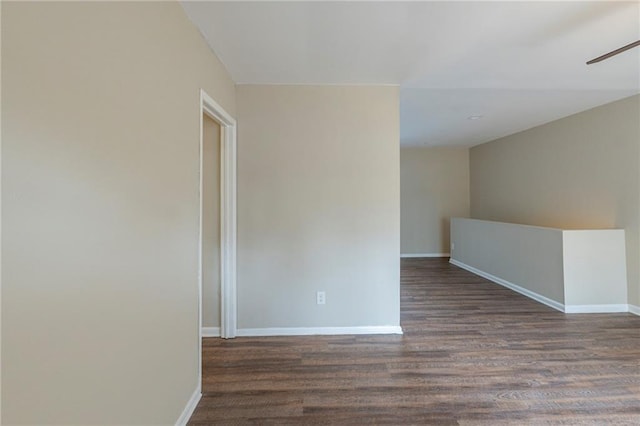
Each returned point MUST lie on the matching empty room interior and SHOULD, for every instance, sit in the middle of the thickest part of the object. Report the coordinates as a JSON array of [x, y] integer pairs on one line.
[[231, 212]]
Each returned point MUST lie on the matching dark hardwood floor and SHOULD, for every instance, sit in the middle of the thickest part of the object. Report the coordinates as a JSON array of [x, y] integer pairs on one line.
[[473, 353]]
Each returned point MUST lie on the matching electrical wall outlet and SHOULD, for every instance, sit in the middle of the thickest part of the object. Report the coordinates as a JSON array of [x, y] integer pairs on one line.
[[453, 246], [321, 298]]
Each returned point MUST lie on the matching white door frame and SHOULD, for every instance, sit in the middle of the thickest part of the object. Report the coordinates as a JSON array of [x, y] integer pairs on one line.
[[227, 218]]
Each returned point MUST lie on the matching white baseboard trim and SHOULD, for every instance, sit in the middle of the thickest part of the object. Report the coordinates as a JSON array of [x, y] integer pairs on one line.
[[308, 331], [210, 331], [190, 407], [595, 309], [569, 309], [410, 255], [533, 295]]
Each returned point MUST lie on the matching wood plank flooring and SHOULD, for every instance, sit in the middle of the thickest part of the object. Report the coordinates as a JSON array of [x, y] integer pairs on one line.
[[473, 353]]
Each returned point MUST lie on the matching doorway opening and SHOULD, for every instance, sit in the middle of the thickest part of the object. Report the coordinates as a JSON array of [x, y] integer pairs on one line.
[[211, 244], [217, 125]]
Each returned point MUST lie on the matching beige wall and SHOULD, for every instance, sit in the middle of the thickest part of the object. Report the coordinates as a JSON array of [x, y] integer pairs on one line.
[[318, 206], [1, 174], [434, 186], [578, 172], [211, 224], [100, 210]]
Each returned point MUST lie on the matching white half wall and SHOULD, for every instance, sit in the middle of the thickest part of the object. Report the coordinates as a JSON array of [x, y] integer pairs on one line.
[[594, 267], [528, 256], [574, 271]]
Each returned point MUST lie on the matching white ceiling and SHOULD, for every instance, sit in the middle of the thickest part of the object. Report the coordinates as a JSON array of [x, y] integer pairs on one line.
[[518, 64]]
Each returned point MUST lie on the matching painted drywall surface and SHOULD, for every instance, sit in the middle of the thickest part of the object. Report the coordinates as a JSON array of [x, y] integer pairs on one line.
[[594, 264], [580, 172], [434, 186], [0, 223], [211, 224], [318, 206], [528, 256], [100, 203]]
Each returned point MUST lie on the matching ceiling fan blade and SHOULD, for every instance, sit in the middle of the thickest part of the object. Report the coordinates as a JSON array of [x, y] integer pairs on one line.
[[614, 52]]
